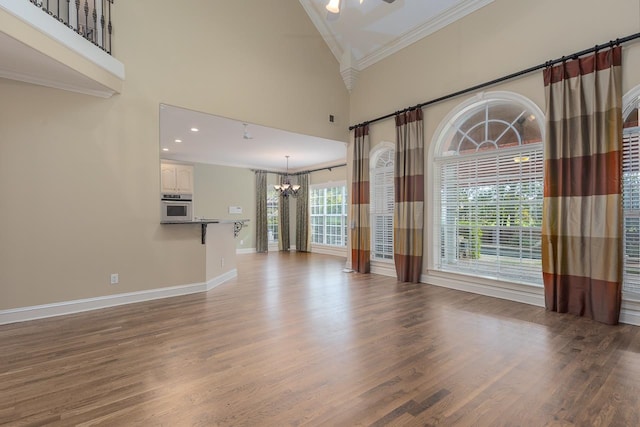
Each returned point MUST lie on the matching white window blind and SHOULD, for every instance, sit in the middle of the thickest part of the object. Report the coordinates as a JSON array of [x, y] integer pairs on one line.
[[631, 210], [382, 204], [328, 206], [491, 214]]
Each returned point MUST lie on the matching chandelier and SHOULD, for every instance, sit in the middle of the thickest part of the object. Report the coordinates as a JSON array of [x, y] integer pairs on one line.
[[286, 189]]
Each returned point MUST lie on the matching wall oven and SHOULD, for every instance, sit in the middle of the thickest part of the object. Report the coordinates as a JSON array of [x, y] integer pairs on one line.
[[176, 207]]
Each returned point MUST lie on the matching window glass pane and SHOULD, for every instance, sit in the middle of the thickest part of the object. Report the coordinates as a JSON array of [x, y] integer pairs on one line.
[[329, 215], [490, 196], [273, 201], [495, 124]]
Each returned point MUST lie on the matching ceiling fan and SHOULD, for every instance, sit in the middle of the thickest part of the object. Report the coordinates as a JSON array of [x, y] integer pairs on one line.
[[246, 134], [333, 8]]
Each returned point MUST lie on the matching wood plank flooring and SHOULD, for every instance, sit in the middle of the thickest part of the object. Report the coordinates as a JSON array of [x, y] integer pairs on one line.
[[295, 341]]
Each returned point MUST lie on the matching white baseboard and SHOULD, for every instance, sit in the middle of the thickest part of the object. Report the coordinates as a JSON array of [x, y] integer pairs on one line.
[[77, 306], [245, 251], [329, 250], [630, 312], [383, 268]]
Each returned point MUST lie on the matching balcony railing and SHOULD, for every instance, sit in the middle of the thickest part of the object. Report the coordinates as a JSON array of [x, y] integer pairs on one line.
[[89, 18]]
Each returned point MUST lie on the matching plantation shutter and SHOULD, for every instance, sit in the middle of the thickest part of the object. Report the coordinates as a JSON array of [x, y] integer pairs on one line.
[[382, 203], [631, 209]]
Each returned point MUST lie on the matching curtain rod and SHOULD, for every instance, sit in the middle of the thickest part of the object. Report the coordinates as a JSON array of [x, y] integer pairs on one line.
[[301, 172], [612, 43]]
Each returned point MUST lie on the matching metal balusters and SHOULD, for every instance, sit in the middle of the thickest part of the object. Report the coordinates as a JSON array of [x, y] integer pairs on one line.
[[97, 26], [94, 32], [86, 19], [110, 2], [78, 16], [104, 42]]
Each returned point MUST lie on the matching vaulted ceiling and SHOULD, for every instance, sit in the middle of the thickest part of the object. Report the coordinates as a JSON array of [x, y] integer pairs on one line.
[[368, 31]]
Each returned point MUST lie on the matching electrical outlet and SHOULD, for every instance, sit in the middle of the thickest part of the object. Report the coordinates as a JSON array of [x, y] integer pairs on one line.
[[115, 278], [242, 241], [221, 262]]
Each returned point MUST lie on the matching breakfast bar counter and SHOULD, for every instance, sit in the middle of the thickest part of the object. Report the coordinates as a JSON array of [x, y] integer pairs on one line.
[[238, 224]]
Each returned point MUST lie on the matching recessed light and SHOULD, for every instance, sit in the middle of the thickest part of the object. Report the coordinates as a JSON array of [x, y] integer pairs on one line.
[[178, 141], [165, 149], [194, 129]]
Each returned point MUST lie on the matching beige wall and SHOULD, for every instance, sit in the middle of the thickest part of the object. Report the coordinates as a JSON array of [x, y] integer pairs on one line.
[[221, 252], [334, 175], [80, 175], [501, 38], [218, 187]]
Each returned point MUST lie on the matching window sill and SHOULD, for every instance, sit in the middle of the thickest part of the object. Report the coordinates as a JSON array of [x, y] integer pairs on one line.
[[329, 249], [519, 292]]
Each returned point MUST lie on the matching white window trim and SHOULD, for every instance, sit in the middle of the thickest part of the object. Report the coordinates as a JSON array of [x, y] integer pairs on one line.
[[379, 266], [630, 101], [432, 225], [326, 248]]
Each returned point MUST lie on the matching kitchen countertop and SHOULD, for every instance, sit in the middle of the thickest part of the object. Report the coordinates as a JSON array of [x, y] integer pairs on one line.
[[206, 221]]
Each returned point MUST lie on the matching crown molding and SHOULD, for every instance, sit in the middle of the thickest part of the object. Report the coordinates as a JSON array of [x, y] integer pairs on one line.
[[447, 17], [349, 75]]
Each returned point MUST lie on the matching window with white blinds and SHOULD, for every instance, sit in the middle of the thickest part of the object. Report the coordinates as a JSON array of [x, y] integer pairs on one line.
[[631, 204], [489, 200], [328, 205], [382, 204], [272, 215]]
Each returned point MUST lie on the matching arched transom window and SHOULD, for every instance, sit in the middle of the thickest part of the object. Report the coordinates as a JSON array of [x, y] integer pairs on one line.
[[489, 179]]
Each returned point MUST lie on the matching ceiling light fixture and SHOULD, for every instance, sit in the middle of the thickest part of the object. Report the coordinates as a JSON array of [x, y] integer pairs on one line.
[[194, 129], [333, 7], [177, 141], [286, 189]]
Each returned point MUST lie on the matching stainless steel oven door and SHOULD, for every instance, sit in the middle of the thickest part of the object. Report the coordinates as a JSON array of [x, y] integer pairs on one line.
[[176, 210]]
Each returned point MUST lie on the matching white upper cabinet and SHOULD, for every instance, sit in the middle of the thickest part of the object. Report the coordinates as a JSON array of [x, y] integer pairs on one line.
[[176, 178]]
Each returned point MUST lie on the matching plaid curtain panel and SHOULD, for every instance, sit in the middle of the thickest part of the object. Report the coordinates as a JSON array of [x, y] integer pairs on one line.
[[408, 212], [262, 243], [360, 233], [582, 207], [303, 237], [284, 244]]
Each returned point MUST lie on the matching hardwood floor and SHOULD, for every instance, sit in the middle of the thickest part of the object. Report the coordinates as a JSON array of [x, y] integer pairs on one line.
[[295, 341]]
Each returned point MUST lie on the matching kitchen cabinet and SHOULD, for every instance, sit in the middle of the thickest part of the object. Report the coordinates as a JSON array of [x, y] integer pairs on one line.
[[176, 178]]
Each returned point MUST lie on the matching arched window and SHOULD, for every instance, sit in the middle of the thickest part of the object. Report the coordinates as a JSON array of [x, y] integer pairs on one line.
[[631, 193], [489, 189], [382, 202]]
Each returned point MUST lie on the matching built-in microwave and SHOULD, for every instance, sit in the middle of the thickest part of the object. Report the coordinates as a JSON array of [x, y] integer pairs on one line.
[[176, 207]]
